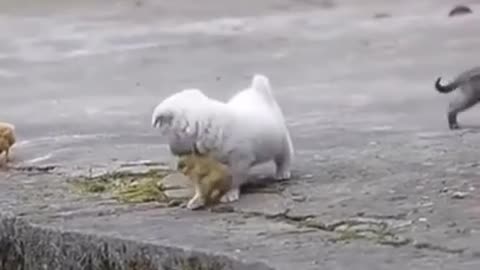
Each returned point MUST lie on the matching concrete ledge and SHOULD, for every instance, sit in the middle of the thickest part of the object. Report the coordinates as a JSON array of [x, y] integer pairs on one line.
[[26, 246]]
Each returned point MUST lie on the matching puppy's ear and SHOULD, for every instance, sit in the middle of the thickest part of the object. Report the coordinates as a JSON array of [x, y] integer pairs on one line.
[[163, 119]]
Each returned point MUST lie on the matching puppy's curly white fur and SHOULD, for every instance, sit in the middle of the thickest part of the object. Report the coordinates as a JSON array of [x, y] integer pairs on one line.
[[247, 130]]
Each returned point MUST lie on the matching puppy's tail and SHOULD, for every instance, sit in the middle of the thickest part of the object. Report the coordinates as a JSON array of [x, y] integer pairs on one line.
[[446, 88], [261, 84]]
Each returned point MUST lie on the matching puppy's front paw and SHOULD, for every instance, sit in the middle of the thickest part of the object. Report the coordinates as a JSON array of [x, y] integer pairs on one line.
[[231, 196]]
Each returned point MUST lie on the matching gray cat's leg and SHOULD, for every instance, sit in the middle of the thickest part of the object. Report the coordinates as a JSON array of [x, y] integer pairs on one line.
[[459, 104], [452, 120]]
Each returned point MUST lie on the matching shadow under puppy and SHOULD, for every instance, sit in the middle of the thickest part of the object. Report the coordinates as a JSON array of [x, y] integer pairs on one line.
[[210, 177]]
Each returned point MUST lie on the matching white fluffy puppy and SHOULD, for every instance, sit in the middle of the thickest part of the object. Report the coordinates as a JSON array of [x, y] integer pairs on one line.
[[247, 130]]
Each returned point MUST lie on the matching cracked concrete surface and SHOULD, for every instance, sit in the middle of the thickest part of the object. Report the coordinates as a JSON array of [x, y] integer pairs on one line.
[[374, 155]]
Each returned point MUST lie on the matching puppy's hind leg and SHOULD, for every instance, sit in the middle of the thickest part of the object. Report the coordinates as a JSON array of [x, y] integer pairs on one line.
[[232, 195], [283, 160], [239, 170], [282, 164]]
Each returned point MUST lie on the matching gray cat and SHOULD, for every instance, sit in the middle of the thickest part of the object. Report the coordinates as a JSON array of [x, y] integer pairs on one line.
[[468, 95]]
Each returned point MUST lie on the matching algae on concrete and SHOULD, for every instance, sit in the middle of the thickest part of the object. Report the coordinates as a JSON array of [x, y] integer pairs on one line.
[[126, 186], [140, 191]]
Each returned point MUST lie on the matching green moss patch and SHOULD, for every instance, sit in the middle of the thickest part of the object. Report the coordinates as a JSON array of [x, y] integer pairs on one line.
[[378, 232], [125, 186]]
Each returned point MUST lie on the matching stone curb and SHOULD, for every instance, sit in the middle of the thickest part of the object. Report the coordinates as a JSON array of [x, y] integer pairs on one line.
[[27, 246]]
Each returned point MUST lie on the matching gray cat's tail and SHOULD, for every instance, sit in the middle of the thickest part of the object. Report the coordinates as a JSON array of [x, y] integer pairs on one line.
[[445, 88]]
